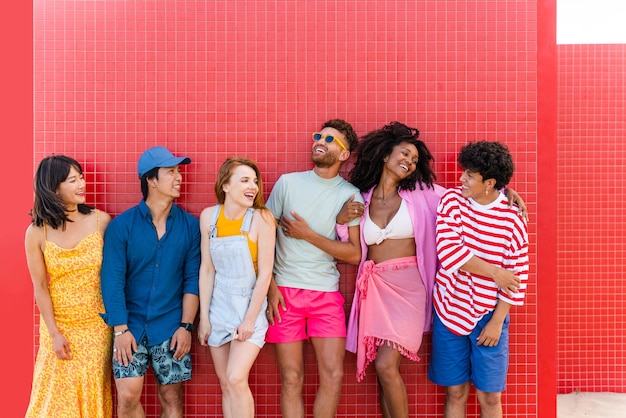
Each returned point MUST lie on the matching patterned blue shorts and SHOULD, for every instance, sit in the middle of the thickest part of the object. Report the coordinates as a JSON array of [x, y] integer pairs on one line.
[[167, 369]]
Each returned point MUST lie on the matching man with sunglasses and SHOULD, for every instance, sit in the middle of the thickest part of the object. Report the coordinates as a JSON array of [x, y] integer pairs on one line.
[[304, 301]]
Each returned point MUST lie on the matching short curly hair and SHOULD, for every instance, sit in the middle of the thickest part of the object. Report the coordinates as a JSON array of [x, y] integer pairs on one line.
[[378, 144], [346, 129], [492, 160]]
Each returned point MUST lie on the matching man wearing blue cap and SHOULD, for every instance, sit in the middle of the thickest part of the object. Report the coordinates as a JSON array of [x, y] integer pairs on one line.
[[150, 269]]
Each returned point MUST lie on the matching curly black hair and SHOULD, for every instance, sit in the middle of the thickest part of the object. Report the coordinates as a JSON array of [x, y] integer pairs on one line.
[[378, 144], [491, 160]]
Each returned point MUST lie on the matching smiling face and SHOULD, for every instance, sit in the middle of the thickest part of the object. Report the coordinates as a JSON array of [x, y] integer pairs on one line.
[[325, 154], [474, 186], [168, 183], [402, 161], [72, 189], [242, 187]]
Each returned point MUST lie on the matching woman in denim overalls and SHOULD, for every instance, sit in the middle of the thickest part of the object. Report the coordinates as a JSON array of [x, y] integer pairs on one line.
[[238, 237]]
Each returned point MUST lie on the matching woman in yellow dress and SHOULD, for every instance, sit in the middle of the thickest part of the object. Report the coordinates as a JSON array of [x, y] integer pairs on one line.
[[72, 376]]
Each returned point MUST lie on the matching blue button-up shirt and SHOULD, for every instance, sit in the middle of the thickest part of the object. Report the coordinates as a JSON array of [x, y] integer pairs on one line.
[[144, 277]]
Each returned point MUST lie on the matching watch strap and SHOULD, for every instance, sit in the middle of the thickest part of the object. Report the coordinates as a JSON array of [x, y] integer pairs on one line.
[[188, 326]]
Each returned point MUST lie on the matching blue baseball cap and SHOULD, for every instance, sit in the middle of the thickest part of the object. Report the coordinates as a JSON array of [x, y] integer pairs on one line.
[[158, 157]]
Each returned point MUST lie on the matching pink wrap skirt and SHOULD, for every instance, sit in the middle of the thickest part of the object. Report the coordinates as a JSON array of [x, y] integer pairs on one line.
[[391, 310]]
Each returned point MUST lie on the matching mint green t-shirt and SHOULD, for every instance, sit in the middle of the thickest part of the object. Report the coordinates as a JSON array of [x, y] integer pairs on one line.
[[299, 264]]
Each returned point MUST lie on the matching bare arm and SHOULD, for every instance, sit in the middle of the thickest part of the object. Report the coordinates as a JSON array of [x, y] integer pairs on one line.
[[34, 244], [505, 279], [490, 334], [349, 252], [275, 302], [181, 340], [350, 210], [105, 218], [206, 277], [514, 197], [266, 245]]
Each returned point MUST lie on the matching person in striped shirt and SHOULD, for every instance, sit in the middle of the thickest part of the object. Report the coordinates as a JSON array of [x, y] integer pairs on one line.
[[482, 245]]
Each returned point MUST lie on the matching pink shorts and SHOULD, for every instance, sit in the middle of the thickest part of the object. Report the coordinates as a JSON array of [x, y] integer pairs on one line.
[[310, 313]]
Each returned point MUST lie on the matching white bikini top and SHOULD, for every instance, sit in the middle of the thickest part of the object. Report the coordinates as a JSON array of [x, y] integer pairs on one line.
[[399, 227]]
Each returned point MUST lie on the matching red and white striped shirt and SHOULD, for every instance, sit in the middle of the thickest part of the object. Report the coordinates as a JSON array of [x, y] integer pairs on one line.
[[495, 233]]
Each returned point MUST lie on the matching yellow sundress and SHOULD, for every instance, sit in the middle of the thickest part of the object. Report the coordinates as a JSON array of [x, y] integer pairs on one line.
[[80, 387]]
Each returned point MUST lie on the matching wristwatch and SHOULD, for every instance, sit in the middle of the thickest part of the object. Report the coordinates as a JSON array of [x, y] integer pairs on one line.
[[188, 326]]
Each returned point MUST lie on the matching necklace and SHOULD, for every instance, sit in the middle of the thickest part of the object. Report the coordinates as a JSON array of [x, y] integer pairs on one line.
[[384, 200]]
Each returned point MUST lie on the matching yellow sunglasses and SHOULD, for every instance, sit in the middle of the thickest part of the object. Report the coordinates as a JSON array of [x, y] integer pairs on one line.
[[328, 138]]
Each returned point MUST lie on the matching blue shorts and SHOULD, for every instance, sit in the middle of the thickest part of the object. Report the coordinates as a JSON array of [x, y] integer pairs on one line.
[[456, 359], [167, 369]]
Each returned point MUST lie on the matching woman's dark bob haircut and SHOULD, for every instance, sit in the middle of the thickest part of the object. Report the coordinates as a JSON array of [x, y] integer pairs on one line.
[[49, 208]]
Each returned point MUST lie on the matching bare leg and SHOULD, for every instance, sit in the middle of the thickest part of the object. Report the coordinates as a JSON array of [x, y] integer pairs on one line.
[[329, 353], [291, 364], [233, 362], [129, 397], [171, 397], [219, 355], [456, 400], [383, 404], [490, 404], [394, 401]]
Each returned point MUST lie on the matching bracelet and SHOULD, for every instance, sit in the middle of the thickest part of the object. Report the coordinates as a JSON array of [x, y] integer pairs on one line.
[[118, 333]]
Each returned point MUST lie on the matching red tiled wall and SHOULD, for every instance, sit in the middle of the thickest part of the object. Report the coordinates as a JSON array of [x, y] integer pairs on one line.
[[210, 79], [591, 225], [16, 146]]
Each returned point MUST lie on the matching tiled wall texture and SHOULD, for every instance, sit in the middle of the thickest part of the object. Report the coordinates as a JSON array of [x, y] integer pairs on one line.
[[211, 79], [591, 225]]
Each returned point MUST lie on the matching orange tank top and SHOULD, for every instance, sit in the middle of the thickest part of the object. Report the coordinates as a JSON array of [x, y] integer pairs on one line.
[[227, 228]]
